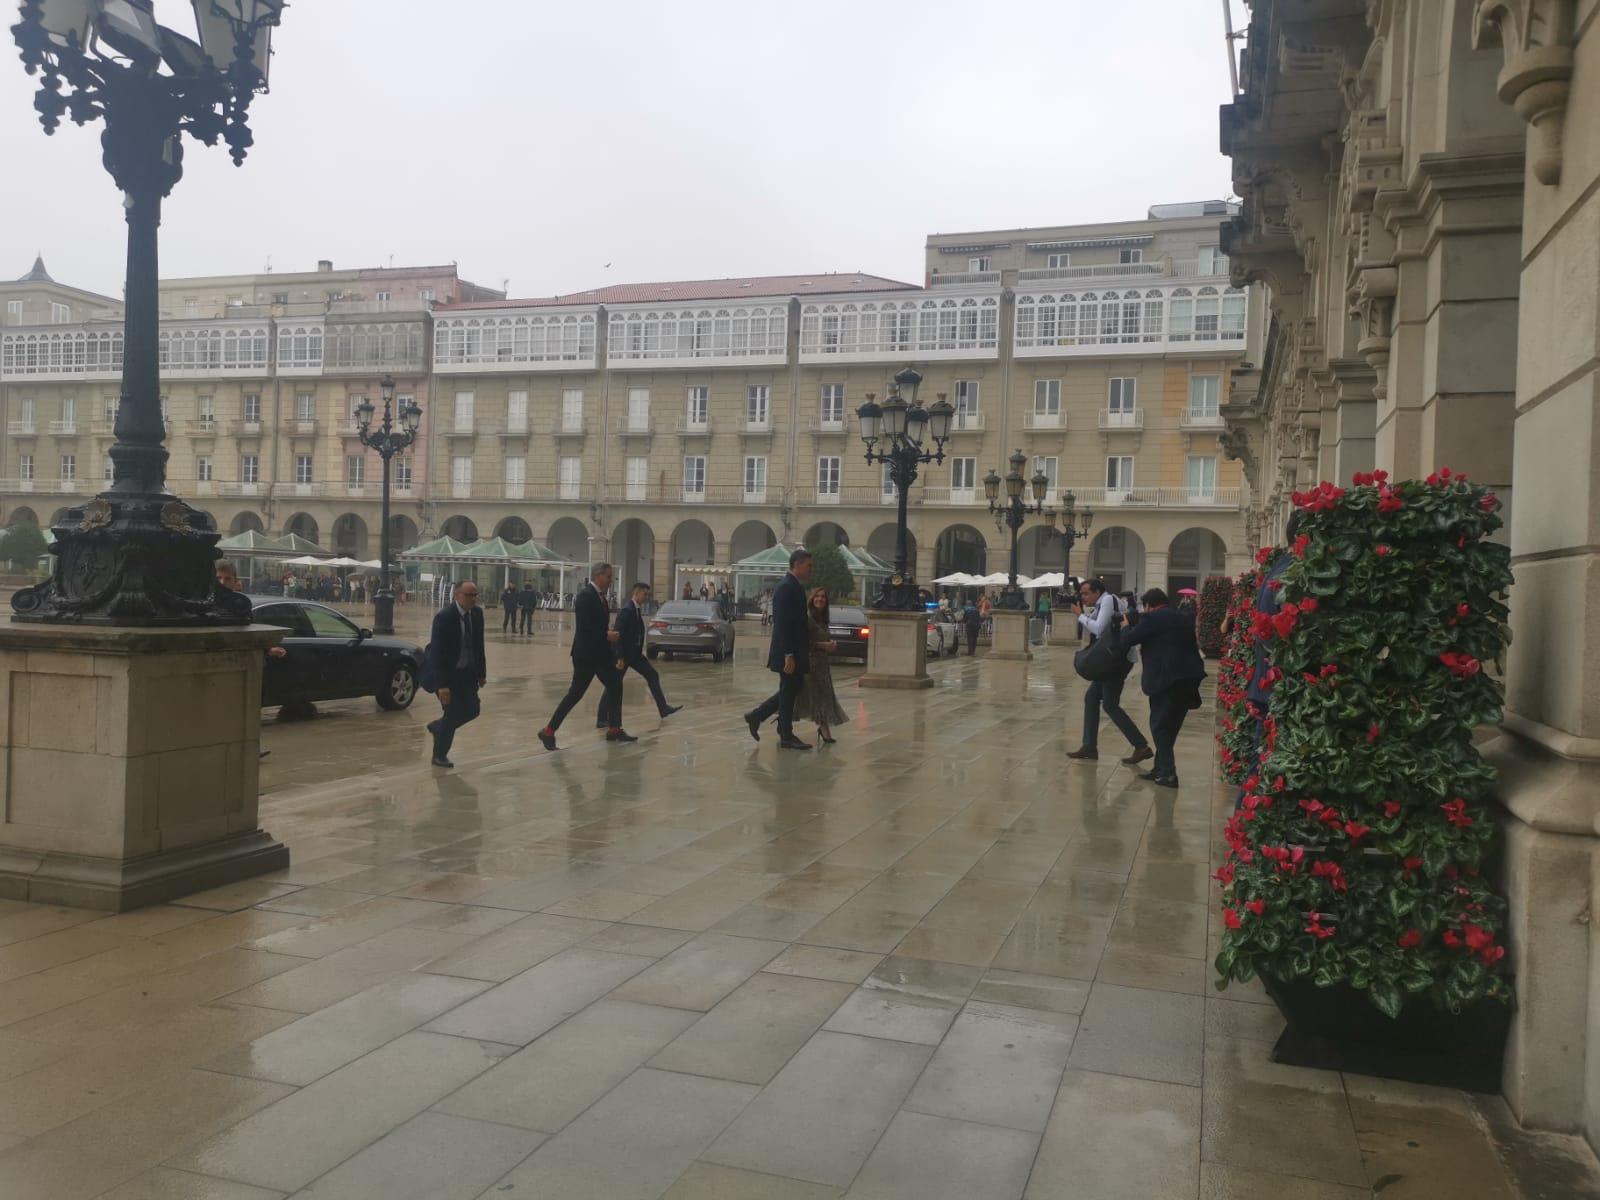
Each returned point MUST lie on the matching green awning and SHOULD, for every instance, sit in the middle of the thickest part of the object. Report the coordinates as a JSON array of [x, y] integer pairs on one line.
[[435, 551], [497, 551], [252, 543]]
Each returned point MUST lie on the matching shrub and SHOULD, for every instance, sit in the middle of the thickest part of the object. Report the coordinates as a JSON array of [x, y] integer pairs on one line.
[[1236, 719], [829, 570], [23, 545], [1357, 852], [1216, 597]]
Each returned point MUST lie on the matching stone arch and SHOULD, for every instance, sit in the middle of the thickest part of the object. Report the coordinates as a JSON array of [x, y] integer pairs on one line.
[[960, 548], [692, 543], [569, 538], [514, 529], [881, 542], [752, 537], [1040, 549], [303, 524], [23, 515], [350, 536], [463, 529], [246, 522], [633, 547], [1195, 555], [1117, 556], [826, 533], [402, 533]]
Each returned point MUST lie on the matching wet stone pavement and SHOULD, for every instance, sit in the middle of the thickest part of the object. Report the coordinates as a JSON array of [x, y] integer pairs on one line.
[[934, 960]]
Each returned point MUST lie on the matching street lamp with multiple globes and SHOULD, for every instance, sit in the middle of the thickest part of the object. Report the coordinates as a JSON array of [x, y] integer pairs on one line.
[[901, 425], [388, 442], [1011, 512], [136, 554], [1071, 530]]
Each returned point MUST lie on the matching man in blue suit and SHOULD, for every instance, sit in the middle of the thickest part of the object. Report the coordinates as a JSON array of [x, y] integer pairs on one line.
[[1171, 677], [630, 652], [456, 666], [594, 656], [789, 655]]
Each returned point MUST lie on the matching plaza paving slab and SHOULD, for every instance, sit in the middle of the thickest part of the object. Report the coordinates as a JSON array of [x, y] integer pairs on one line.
[[936, 960]]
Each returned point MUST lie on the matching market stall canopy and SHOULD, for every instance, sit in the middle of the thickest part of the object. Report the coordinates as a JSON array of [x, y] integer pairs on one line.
[[253, 543], [435, 551], [295, 544], [861, 562], [498, 552], [774, 560]]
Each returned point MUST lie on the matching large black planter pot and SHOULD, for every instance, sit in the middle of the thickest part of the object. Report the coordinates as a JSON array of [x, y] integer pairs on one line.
[[1337, 1029]]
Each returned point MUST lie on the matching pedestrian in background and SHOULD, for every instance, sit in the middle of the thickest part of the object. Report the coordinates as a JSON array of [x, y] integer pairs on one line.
[[817, 700], [972, 620], [456, 667], [527, 602], [508, 610], [630, 652]]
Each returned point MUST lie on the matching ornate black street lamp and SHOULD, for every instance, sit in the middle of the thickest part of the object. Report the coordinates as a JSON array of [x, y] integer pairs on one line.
[[136, 554], [1074, 525], [901, 427], [1011, 512], [387, 441]]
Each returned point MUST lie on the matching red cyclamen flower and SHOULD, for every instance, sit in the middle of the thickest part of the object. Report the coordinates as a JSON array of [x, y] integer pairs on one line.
[[1409, 939], [1462, 666], [1455, 811], [1230, 918], [1381, 550], [1256, 906]]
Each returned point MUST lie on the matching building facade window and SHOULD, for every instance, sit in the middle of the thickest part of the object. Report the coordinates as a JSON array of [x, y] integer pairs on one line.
[[249, 468], [757, 413], [1205, 395], [1127, 257], [300, 347], [636, 477], [355, 470], [60, 314], [206, 411], [517, 412], [978, 262], [69, 468], [402, 473], [877, 327], [14, 311], [1057, 262], [697, 407], [510, 339], [516, 476], [68, 352], [638, 409], [886, 484], [108, 469], [302, 469], [755, 478], [571, 476], [833, 405], [1049, 464], [461, 476], [828, 477], [1047, 397], [251, 408], [25, 468], [1119, 475], [69, 413], [1121, 393], [202, 468], [305, 407], [572, 409], [694, 477], [963, 480], [1202, 477], [731, 333], [463, 411]]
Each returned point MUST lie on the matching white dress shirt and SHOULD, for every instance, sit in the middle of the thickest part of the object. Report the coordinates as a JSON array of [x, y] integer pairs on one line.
[[1099, 621]]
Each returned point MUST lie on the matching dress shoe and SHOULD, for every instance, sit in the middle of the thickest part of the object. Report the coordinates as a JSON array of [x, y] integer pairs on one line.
[[601, 725], [547, 739], [439, 761], [793, 743], [669, 710], [1084, 754], [755, 725], [620, 735], [1139, 755], [1167, 781], [1151, 776], [433, 728]]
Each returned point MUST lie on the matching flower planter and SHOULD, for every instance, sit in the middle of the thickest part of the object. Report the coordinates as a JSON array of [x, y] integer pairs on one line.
[[1337, 1029]]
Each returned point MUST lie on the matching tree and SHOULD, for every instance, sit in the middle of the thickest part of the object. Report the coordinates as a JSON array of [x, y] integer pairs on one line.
[[829, 570], [23, 545]]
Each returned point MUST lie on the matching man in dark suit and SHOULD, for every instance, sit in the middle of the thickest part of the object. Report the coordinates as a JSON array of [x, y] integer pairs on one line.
[[457, 666], [789, 655], [527, 601], [508, 610], [1171, 677], [630, 649], [595, 654]]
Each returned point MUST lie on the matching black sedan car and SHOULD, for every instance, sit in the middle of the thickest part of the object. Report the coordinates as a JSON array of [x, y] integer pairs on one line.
[[850, 631], [331, 659]]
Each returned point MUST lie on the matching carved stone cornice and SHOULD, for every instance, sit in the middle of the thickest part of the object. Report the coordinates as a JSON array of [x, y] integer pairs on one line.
[[1537, 38]]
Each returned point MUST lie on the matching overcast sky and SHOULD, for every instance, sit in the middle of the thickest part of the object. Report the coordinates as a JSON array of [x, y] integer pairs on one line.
[[538, 141]]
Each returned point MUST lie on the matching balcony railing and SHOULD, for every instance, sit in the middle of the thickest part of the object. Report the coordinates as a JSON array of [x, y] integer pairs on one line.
[[48, 487], [515, 427], [966, 422], [1157, 497], [305, 425], [250, 428], [1112, 421], [970, 277], [949, 495], [635, 425], [693, 426], [1189, 268], [204, 427], [228, 488], [1091, 271], [756, 425], [568, 427], [823, 426], [68, 428], [24, 428], [1053, 421], [1200, 418]]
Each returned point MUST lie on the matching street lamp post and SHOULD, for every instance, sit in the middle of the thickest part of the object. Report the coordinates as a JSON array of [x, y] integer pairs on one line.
[[388, 442], [1074, 526], [136, 554], [901, 426], [1010, 513]]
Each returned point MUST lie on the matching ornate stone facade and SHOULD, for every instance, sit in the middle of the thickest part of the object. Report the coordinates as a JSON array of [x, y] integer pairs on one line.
[[1420, 201]]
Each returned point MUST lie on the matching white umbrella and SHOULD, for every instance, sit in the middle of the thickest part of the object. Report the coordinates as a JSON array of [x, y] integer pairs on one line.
[[956, 579], [1050, 579], [305, 560], [343, 561], [999, 578], [372, 564]]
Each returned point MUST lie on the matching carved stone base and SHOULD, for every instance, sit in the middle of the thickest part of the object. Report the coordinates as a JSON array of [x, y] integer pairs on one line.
[[897, 650], [1010, 635], [129, 762]]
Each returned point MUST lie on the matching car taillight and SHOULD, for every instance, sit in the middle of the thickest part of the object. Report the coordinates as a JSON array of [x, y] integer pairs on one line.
[[866, 631], [658, 624], [705, 628]]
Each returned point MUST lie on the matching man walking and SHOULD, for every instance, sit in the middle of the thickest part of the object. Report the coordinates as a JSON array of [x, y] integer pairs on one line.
[[527, 601], [630, 650], [508, 610], [457, 666], [972, 622], [594, 655], [789, 655], [1100, 611], [1171, 679]]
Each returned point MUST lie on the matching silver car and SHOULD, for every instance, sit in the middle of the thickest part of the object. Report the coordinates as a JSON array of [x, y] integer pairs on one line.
[[689, 627]]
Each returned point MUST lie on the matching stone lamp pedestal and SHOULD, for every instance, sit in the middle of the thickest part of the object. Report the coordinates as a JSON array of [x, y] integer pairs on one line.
[[897, 649], [1010, 635], [129, 762], [1064, 630]]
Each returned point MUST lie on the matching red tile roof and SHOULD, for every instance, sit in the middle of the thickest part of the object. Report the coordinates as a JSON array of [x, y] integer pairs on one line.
[[708, 289]]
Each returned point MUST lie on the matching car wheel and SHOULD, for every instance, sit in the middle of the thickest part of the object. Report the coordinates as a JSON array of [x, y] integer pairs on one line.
[[653, 653], [401, 689], [716, 656]]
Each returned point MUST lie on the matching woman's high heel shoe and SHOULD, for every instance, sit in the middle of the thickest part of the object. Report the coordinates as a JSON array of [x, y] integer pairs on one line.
[[823, 734]]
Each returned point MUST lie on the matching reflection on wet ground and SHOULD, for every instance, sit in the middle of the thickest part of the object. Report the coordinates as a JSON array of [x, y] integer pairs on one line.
[[934, 960]]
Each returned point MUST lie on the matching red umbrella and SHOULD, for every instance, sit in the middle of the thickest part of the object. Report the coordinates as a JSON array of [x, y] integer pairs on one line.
[[1187, 592]]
